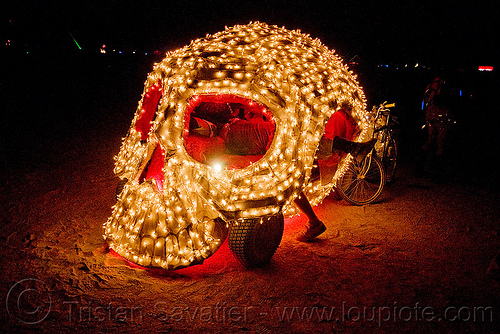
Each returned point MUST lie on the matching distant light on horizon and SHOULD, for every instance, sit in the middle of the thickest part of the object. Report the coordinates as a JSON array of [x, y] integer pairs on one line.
[[485, 68]]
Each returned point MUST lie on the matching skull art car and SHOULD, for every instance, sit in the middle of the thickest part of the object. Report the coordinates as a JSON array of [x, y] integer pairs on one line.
[[183, 191]]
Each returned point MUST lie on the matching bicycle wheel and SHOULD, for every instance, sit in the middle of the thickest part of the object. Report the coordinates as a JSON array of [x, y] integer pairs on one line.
[[363, 182], [390, 159]]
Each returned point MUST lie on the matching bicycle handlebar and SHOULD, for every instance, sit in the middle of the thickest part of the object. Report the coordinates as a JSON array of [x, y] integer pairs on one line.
[[383, 107]]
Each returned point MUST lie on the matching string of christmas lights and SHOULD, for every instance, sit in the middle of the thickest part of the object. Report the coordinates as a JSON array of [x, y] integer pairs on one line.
[[173, 222]]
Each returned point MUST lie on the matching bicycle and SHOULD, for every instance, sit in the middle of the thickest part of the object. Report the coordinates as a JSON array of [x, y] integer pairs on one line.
[[385, 131], [363, 182]]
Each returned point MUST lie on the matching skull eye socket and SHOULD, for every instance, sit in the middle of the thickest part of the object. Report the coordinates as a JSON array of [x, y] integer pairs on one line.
[[227, 131], [147, 114]]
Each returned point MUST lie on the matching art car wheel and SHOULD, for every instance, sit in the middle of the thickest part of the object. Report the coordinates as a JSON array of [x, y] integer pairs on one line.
[[254, 241]]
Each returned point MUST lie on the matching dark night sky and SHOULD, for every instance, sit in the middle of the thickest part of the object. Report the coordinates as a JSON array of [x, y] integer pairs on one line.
[[445, 35], [444, 32]]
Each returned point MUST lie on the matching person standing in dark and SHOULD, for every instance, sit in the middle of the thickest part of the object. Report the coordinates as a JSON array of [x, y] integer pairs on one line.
[[437, 123]]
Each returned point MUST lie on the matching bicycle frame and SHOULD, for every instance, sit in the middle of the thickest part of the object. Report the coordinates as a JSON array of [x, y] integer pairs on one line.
[[386, 146]]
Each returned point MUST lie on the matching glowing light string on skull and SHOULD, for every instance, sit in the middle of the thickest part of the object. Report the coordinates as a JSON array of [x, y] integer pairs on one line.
[[173, 223]]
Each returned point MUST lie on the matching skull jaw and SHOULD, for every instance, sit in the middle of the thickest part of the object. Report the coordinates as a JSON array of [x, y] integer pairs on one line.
[[144, 231]]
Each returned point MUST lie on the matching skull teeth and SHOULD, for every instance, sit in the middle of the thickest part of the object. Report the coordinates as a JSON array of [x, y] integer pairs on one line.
[[144, 231]]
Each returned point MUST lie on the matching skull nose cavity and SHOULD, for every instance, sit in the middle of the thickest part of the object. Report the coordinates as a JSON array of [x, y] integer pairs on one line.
[[148, 108], [154, 168]]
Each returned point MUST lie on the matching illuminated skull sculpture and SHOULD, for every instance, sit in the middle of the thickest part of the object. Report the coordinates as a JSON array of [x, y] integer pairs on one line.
[[175, 210]]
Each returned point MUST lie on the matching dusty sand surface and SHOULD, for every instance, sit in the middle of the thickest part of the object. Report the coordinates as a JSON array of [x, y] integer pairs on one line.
[[417, 261]]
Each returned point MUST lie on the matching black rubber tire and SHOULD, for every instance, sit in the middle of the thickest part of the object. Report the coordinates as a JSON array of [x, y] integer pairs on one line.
[[120, 186], [254, 241], [359, 186]]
